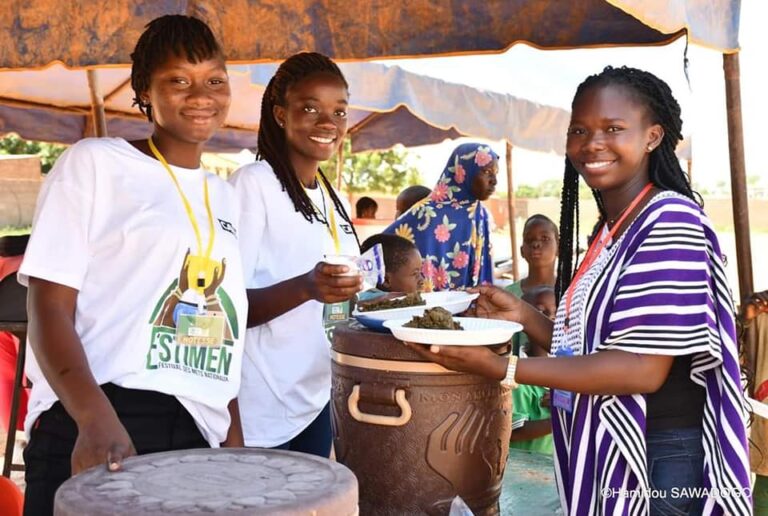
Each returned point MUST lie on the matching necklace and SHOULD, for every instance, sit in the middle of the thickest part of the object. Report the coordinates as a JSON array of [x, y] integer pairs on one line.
[[597, 246]]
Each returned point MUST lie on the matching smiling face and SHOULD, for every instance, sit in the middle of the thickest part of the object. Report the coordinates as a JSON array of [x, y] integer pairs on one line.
[[539, 243], [189, 101], [609, 139], [314, 117], [484, 183]]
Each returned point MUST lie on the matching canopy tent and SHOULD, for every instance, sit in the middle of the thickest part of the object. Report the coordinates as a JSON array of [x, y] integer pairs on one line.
[[85, 34], [419, 109]]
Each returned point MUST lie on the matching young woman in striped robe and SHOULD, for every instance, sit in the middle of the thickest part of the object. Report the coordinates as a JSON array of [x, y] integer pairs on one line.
[[648, 411]]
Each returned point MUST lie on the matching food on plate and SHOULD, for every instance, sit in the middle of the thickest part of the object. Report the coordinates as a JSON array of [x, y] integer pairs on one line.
[[437, 318], [413, 299]]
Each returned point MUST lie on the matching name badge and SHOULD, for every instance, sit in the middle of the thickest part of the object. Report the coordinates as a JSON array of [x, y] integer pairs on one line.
[[563, 399], [333, 314], [201, 330]]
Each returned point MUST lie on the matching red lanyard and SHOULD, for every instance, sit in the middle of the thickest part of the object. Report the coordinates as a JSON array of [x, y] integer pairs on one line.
[[597, 246]]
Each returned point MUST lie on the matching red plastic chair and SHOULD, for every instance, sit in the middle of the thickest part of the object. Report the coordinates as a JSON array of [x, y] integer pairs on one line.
[[11, 498]]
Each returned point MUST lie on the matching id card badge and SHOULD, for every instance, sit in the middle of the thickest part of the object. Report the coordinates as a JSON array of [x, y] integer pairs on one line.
[[333, 314], [201, 329], [563, 399]]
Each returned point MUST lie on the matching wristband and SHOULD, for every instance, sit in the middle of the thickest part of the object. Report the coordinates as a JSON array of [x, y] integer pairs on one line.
[[509, 379]]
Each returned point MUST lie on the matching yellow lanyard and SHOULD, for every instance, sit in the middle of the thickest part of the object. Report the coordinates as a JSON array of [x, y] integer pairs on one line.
[[187, 206], [330, 221]]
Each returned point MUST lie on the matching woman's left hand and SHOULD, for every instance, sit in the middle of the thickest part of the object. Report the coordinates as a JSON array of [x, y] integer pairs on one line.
[[467, 359]]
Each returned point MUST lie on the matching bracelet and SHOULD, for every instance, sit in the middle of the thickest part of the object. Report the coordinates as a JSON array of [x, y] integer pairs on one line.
[[509, 379]]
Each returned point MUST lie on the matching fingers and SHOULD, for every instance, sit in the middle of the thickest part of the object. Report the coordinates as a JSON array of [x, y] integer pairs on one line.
[[334, 289], [425, 352], [117, 453], [332, 270], [114, 461]]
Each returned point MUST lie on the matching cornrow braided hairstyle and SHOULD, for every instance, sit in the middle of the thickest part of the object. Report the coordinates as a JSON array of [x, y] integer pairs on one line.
[[664, 169], [174, 33], [272, 145]]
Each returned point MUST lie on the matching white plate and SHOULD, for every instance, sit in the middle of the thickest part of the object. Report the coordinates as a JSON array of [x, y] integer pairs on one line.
[[453, 301], [476, 332]]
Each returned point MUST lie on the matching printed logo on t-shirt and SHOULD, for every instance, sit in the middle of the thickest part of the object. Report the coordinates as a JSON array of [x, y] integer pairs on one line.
[[194, 323], [228, 227]]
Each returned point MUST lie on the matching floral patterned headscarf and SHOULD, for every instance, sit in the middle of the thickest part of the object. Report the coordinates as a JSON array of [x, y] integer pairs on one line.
[[450, 227]]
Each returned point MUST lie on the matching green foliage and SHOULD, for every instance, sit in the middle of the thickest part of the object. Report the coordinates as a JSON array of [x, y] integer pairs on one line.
[[549, 188], [48, 152], [15, 230], [377, 171]]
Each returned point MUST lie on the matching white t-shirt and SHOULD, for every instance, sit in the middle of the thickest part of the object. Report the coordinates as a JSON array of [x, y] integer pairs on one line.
[[111, 224], [287, 365]]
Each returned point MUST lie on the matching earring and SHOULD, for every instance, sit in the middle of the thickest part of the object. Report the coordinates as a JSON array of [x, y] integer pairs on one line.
[[281, 124], [650, 148]]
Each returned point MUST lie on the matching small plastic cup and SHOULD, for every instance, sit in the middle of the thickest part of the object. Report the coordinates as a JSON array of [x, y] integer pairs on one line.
[[343, 259]]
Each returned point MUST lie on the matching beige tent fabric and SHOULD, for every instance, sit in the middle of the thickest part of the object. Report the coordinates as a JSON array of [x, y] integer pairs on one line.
[[710, 23], [756, 355]]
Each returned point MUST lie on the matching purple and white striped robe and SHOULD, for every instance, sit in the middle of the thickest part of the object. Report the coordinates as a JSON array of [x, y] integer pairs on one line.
[[659, 289]]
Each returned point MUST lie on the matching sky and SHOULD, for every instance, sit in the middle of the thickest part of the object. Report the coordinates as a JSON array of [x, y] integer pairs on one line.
[[551, 77]]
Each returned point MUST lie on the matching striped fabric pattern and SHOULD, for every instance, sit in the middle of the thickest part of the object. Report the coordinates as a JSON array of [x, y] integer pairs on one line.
[[659, 289]]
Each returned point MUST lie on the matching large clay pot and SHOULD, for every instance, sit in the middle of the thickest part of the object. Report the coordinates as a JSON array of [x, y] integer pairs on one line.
[[415, 434]]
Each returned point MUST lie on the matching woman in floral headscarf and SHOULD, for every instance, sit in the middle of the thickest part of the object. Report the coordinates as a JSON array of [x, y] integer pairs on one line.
[[450, 227]]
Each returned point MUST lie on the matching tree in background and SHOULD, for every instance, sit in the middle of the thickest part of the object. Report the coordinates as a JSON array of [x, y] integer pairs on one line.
[[48, 152], [375, 171], [549, 188]]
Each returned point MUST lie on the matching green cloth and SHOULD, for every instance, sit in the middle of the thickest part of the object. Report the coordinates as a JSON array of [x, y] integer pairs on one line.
[[760, 495], [526, 399], [526, 406]]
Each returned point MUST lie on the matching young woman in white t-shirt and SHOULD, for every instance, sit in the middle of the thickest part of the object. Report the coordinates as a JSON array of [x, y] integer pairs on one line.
[[292, 218], [134, 244]]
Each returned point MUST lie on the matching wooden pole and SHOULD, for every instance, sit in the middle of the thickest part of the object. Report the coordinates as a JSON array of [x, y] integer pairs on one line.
[[511, 211], [97, 105], [738, 173]]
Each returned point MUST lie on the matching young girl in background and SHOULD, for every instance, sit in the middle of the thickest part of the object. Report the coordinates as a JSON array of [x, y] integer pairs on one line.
[[402, 266]]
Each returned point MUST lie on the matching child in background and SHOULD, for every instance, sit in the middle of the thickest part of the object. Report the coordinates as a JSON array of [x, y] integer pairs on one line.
[[366, 208], [539, 249], [754, 339], [402, 266]]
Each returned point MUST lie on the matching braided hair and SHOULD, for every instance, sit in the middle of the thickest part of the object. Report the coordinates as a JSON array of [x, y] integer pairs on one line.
[[664, 169], [174, 33], [272, 144]]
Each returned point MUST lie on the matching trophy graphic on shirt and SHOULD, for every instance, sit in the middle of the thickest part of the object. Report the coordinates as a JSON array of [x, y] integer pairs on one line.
[[193, 307]]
